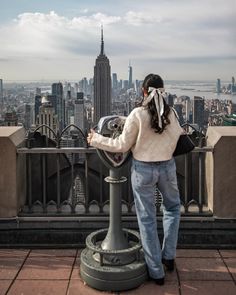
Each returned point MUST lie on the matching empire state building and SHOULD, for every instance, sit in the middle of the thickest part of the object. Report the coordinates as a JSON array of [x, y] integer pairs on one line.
[[102, 85]]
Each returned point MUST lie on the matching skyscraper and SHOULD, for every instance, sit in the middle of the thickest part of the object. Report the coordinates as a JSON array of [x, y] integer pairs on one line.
[[233, 87], [37, 104], [114, 81], [130, 85], [218, 86], [114, 86], [102, 85], [47, 116], [1, 97], [27, 116], [57, 90], [79, 111], [198, 111]]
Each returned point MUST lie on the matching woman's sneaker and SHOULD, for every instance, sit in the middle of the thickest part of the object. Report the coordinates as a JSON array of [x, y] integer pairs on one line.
[[169, 264], [159, 282]]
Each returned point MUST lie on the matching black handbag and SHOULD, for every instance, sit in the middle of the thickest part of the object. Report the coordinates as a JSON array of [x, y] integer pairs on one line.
[[184, 145]]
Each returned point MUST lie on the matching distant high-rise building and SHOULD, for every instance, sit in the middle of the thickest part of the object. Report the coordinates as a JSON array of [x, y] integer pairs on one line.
[[102, 85], [198, 111], [1, 96], [53, 100], [84, 86], [76, 86], [57, 90], [126, 84], [114, 86], [114, 81], [130, 85], [37, 104], [27, 116], [47, 117], [68, 92], [11, 118], [120, 84], [232, 108], [187, 110], [79, 111], [170, 99], [138, 87], [69, 112], [38, 91], [218, 86], [90, 88], [65, 89], [233, 86]]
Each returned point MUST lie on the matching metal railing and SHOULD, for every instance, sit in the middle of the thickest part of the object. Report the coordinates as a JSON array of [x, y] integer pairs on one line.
[[69, 181]]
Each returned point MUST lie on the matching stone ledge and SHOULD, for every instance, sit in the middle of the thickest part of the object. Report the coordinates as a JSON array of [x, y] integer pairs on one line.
[[214, 234]]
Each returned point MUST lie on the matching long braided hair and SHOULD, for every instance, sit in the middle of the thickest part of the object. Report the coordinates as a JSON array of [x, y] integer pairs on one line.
[[156, 81]]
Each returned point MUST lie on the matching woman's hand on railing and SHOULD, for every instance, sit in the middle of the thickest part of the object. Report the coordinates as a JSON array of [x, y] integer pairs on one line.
[[90, 136]]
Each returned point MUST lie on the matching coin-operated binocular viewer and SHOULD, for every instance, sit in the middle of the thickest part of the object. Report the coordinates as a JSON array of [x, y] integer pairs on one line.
[[113, 260]]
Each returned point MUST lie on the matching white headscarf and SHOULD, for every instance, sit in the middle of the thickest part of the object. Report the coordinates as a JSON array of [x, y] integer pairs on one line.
[[157, 94]]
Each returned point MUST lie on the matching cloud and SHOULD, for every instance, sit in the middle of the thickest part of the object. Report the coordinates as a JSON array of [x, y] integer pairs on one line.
[[137, 33], [189, 32], [51, 34], [140, 18]]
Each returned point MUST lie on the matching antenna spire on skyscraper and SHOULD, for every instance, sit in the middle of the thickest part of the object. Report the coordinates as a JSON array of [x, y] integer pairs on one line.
[[102, 42]]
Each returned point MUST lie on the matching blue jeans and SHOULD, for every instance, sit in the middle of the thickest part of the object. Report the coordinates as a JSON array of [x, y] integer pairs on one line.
[[145, 176]]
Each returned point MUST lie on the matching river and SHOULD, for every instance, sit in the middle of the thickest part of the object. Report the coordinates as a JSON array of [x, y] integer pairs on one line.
[[198, 88]]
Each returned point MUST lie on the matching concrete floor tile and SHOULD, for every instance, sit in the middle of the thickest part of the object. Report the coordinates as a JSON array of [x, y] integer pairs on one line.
[[77, 287], [76, 270], [197, 253], [13, 253], [38, 287], [231, 264], [9, 266], [79, 252], [228, 253], [53, 252], [171, 276], [208, 288], [46, 268], [151, 288], [4, 285], [202, 269]]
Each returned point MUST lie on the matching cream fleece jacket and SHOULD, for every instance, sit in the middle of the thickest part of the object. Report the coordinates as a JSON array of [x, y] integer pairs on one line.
[[141, 139]]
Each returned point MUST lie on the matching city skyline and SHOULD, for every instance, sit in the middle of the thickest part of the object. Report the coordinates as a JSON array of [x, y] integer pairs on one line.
[[192, 40]]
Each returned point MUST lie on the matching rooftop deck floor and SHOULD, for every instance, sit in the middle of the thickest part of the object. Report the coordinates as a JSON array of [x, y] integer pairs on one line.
[[56, 271]]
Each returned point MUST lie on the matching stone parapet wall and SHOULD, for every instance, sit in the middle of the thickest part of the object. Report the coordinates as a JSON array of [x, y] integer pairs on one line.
[[12, 171], [221, 171]]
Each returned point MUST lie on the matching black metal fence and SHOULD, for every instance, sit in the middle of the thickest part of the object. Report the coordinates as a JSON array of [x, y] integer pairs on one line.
[[65, 181]]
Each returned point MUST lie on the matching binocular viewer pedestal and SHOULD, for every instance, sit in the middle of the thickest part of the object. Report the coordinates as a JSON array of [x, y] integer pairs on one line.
[[113, 258]]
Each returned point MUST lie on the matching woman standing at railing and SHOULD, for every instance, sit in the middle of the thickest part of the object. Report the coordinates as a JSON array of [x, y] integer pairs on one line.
[[151, 131]]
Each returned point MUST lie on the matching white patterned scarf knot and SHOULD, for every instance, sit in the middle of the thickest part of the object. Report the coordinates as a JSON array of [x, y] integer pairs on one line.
[[158, 95]]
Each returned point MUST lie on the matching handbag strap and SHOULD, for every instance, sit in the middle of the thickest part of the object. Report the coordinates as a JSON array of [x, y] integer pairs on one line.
[[176, 114]]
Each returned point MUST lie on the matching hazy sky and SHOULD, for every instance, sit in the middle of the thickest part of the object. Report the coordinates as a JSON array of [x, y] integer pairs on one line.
[[60, 39]]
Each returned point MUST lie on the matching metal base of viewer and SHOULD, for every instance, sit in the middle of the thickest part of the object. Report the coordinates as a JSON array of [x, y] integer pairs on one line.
[[113, 260], [111, 278]]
